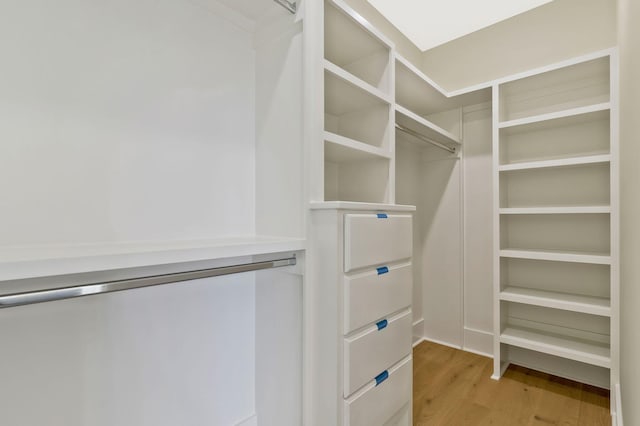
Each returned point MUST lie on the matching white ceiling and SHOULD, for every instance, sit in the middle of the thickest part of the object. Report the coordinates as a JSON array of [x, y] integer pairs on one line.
[[430, 23]]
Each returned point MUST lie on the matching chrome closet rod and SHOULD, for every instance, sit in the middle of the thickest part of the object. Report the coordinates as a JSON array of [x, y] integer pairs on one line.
[[290, 6], [40, 296], [425, 139]]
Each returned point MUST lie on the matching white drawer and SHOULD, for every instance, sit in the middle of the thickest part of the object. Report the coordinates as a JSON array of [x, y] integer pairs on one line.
[[370, 240], [375, 404], [375, 349], [371, 295]]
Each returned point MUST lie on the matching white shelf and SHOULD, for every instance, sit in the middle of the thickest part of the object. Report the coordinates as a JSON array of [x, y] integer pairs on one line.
[[606, 106], [549, 299], [354, 205], [42, 261], [561, 162], [423, 126], [339, 149], [556, 210], [563, 346], [557, 256], [420, 94], [355, 81]]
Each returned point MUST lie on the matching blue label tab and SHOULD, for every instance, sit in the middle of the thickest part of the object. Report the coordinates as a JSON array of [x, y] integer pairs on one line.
[[382, 324], [382, 216], [382, 270], [382, 377]]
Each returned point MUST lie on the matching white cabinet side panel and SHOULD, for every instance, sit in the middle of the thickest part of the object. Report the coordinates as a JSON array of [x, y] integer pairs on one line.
[[279, 152], [478, 211], [442, 252]]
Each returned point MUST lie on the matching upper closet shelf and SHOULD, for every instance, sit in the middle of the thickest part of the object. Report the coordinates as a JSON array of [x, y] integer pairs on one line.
[[418, 93], [560, 162], [355, 81], [550, 299], [42, 261], [554, 118], [339, 149], [420, 125]]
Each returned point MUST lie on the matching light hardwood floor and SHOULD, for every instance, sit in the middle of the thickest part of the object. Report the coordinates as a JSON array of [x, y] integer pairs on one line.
[[453, 387]]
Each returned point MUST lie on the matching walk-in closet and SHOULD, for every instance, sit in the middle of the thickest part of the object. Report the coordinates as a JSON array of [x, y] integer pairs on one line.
[[319, 212]]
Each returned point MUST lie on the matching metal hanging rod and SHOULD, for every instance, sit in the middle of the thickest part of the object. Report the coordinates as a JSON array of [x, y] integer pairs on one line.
[[425, 139], [291, 6], [28, 298]]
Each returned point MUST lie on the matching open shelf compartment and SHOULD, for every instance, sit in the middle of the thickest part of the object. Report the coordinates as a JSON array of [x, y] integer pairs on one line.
[[356, 114], [580, 85], [567, 139], [357, 48], [570, 334]]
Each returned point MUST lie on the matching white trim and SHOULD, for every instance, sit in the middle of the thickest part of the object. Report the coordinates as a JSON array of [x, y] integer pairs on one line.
[[529, 73], [420, 340], [440, 342], [478, 342], [617, 416]]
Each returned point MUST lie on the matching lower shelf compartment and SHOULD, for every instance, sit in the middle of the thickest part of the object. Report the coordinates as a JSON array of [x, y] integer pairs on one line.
[[589, 352]]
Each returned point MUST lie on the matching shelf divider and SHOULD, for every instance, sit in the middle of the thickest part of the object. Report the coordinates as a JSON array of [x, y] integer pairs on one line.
[[555, 115], [560, 162], [551, 299], [557, 256]]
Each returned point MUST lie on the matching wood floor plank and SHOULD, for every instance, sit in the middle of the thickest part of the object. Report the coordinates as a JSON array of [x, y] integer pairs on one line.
[[453, 387]]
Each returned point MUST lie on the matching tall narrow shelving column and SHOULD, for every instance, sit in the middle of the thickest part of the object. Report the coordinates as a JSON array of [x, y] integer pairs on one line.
[[358, 135], [556, 221]]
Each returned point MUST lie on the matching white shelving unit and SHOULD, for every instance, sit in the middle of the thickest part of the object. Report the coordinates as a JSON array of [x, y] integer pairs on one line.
[[358, 109], [556, 221]]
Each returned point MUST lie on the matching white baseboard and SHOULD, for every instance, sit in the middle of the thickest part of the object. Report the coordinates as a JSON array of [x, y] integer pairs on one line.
[[478, 342], [418, 331], [440, 342], [417, 342], [249, 421], [616, 418]]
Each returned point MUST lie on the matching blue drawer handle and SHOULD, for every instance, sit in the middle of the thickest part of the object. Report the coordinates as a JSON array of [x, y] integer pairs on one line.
[[382, 216], [382, 377], [382, 324], [382, 270]]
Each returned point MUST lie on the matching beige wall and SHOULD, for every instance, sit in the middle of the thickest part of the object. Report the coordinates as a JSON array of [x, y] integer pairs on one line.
[[551, 33], [629, 39], [403, 45]]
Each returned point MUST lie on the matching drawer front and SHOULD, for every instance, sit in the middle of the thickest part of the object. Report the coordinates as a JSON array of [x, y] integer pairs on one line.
[[373, 241], [375, 349], [371, 295], [376, 404]]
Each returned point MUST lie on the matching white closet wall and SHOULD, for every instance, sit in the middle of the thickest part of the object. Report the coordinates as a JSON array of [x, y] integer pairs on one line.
[[112, 112]]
